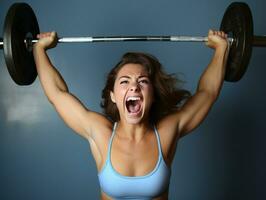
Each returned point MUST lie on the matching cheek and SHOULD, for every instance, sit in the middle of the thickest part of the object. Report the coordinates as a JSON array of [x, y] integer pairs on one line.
[[119, 95]]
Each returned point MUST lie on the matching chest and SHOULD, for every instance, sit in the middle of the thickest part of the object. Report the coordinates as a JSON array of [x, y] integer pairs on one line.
[[134, 159]]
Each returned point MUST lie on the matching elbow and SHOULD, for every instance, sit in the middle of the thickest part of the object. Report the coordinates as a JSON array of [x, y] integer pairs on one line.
[[214, 92], [211, 95], [54, 96], [212, 87], [211, 91], [51, 100]]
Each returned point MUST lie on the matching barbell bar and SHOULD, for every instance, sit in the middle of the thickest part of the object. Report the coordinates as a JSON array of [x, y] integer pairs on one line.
[[21, 28], [127, 39], [257, 40]]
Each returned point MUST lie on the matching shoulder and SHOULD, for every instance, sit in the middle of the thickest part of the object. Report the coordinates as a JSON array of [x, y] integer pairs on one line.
[[98, 125], [168, 126]]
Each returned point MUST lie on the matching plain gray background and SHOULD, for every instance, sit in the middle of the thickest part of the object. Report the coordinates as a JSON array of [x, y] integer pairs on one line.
[[41, 158]]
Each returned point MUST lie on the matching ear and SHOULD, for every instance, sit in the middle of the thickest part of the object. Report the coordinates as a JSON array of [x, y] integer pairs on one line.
[[112, 97]]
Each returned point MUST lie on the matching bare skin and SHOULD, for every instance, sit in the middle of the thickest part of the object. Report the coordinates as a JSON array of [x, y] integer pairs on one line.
[[135, 141]]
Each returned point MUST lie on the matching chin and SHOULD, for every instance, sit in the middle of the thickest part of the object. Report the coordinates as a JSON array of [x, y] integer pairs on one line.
[[133, 121]]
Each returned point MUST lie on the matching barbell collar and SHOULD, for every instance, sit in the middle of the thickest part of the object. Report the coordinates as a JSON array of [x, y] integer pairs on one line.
[[1, 43], [259, 41]]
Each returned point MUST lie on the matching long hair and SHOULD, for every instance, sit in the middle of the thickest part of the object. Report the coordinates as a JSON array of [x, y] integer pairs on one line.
[[167, 97]]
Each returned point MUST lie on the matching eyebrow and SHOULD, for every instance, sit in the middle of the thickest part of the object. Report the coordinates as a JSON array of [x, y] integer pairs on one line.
[[123, 77], [128, 77]]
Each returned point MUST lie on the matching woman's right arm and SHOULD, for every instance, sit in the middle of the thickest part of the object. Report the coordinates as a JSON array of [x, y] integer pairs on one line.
[[72, 111]]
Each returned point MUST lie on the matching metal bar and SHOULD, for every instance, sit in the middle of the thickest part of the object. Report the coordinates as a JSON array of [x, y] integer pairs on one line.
[[259, 41], [188, 39], [133, 38], [115, 39]]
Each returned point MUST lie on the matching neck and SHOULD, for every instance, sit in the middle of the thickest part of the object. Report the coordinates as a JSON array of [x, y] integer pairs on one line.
[[133, 132]]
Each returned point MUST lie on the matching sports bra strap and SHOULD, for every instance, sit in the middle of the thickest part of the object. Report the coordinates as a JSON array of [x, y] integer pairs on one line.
[[111, 140], [113, 134], [158, 141]]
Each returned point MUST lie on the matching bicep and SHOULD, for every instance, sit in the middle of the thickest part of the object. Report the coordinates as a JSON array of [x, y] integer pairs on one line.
[[194, 111], [74, 113]]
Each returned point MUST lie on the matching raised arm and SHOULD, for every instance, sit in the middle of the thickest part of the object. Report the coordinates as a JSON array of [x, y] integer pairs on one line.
[[209, 86], [197, 106], [72, 111]]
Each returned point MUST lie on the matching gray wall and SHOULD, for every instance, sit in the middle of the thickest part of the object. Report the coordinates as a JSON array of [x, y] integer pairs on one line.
[[40, 158]]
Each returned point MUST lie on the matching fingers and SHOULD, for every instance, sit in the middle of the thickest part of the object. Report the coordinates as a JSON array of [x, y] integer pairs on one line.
[[43, 35], [46, 34], [47, 40], [217, 39], [218, 33], [211, 32], [221, 34]]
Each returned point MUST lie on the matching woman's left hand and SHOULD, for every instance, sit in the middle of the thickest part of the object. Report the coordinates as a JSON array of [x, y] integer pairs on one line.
[[217, 39]]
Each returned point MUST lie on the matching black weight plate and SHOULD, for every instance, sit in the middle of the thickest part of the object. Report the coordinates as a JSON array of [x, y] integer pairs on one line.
[[238, 23], [20, 22]]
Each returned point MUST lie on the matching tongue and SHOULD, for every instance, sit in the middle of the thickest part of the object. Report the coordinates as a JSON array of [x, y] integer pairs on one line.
[[133, 108]]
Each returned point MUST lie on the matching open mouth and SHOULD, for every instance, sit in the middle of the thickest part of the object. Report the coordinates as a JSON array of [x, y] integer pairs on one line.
[[133, 105]]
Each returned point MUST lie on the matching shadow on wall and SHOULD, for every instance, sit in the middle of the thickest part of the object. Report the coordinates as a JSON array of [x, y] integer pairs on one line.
[[23, 104], [239, 152], [217, 161]]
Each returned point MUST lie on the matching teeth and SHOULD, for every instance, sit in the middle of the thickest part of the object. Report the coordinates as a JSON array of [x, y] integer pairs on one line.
[[133, 98]]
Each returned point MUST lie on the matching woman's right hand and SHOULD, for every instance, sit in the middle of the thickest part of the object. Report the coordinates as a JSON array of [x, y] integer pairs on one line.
[[47, 40]]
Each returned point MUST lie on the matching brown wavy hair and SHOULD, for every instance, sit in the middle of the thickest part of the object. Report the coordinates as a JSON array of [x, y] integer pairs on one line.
[[167, 97]]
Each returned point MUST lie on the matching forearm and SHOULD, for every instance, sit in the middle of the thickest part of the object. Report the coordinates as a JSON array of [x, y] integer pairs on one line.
[[212, 79], [51, 80]]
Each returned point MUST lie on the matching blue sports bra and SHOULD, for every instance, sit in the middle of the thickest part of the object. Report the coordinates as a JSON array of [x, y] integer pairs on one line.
[[146, 187]]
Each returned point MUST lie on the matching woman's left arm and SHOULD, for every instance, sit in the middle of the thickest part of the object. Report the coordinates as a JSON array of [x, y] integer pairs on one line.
[[197, 107]]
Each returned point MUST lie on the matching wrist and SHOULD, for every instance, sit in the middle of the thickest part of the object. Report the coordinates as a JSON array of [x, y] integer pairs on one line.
[[39, 47], [222, 48]]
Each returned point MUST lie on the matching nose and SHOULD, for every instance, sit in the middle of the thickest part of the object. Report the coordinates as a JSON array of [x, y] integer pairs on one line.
[[134, 87]]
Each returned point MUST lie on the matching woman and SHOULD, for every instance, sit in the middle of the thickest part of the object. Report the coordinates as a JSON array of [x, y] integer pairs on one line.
[[134, 143]]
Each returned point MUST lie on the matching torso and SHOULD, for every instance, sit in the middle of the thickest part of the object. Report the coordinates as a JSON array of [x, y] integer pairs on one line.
[[126, 155]]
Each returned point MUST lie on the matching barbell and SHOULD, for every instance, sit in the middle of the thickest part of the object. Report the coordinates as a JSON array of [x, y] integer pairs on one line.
[[21, 28]]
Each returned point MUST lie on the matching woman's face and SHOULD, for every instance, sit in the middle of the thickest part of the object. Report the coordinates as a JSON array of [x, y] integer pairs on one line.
[[133, 93]]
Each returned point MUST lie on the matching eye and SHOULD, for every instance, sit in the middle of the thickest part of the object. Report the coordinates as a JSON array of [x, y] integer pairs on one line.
[[123, 82], [144, 81]]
